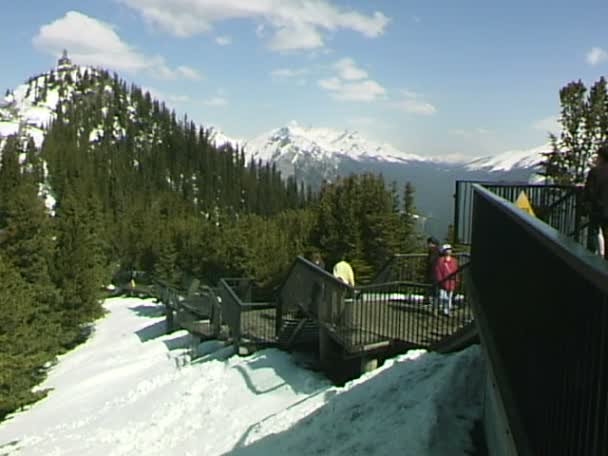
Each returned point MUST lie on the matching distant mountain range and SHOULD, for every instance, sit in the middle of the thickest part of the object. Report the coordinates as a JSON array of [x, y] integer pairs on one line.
[[312, 155]]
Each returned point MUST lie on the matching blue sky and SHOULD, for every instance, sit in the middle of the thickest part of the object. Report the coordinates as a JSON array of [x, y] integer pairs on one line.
[[429, 77]]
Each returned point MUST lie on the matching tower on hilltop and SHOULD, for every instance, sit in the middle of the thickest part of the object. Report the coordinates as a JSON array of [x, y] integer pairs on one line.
[[64, 62]]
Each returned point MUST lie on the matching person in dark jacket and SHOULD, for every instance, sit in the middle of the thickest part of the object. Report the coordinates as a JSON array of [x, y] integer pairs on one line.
[[431, 259], [596, 195]]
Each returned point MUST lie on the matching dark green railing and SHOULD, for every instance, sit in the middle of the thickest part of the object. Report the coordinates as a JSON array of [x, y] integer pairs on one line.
[[366, 317], [541, 306], [248, 322], [557, 205], [410, 267]]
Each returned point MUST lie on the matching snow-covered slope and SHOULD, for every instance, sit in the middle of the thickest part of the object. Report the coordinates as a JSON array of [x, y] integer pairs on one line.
[[219, 139], [506, 161], [30, 108], [131, 390]]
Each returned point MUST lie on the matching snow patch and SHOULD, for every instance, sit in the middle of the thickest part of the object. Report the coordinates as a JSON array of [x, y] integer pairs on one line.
[[131, 389]]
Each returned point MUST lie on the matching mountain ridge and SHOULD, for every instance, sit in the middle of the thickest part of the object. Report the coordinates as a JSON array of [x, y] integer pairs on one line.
[[30, 107], [311, 155]]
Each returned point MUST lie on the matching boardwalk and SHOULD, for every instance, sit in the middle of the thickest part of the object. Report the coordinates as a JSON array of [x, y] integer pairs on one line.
[[376, 319], [371, 321]]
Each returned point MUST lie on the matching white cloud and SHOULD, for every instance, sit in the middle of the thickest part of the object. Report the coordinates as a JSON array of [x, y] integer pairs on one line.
[[297, 75], [351, 83], [216, 102], [348, 70], [596, 56], [475, 133], [296, 36], [297, 24], [550, 124], [287, 73], [362, 121], [367, 90], [412, 103], [94, 42], [188, 72], [223, 40]]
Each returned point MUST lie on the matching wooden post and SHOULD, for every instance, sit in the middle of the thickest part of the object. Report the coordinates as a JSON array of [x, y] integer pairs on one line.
[[327, 347], [195, 342], [169, 325]]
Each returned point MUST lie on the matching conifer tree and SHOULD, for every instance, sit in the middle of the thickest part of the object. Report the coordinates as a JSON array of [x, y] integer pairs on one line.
[[584, 121], [28, 340], [79, 264]]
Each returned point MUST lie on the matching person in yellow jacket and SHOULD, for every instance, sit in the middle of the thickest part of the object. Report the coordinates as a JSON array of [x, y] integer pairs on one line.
[[344, 272]]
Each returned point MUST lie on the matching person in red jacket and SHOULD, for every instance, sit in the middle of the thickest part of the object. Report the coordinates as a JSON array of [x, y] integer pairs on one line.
[[447, 280]]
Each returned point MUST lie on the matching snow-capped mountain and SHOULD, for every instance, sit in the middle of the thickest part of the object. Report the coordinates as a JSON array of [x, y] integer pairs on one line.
[[322, 143], [509, 160], [31, 107], [317, 154], [311, 155], [219, 139]]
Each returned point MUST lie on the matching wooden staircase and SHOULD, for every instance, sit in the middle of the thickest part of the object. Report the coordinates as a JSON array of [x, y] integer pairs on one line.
[[297, 332]]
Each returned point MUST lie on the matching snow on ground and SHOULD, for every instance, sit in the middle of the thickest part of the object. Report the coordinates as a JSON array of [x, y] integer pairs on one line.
[[131, 390]]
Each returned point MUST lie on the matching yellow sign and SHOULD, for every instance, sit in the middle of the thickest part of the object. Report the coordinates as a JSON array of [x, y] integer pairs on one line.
[[523, 202]]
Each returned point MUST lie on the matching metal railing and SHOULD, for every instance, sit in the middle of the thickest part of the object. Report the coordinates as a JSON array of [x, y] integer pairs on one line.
[[410, 267], [404, 312], [182, 308], [363, 318], [170, 297], [557, 205], [248, 322], [542, 312]]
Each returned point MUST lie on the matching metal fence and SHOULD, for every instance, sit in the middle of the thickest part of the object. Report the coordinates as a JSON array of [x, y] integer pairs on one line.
[[542, 311], [410, 267], [170, 297], [557, 205], [363, 318], [248, 322]]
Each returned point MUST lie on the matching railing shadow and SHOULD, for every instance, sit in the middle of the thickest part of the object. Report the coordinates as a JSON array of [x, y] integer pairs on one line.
[[148, 310], [284, 369], [153, 331], [393, 393]]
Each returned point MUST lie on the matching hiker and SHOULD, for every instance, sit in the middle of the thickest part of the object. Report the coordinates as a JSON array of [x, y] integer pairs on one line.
[[344, 272], [132, 284], [595, 197], [445, 275], [429, 270]]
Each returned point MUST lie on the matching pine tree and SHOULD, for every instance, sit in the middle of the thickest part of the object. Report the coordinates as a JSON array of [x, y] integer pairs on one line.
[[27, 338], [166, 265], [28, 241], [79, 264], [10, 174], [584, 121]]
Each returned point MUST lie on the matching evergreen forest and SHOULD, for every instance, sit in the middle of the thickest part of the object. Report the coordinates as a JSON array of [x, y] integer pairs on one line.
[[120, 183]]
